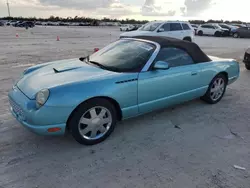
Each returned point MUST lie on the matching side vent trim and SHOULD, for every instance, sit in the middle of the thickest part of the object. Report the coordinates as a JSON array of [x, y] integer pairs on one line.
[[125, 81]]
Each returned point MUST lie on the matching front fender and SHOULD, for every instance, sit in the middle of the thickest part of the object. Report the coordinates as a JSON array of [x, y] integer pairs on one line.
[[124, 93]]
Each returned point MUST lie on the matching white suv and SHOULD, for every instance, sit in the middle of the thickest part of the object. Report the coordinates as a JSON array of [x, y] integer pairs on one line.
[[174, 29], [211, 29]]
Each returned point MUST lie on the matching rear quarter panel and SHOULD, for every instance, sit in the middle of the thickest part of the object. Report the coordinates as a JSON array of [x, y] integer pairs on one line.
[[210, 69]]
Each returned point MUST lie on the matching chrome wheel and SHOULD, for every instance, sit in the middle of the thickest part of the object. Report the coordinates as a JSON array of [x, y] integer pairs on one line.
[[235, 35], [217, 89], [95, 123]]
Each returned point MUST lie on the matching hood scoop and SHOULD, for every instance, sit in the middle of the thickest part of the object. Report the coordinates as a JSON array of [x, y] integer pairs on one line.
[[58, 70]]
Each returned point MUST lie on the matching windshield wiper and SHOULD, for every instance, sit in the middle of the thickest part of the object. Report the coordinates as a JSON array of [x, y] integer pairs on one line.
[[98, 64], [84, 58]]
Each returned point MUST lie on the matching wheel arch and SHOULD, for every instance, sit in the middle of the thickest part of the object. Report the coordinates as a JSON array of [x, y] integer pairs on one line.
[[188, 38], [223, 73], [111, 100]]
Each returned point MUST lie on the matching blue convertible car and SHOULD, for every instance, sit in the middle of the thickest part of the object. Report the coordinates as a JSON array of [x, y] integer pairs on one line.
[[127, 78]]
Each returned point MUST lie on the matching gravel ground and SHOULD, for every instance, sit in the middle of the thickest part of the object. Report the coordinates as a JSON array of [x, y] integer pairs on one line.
[[189, 145]]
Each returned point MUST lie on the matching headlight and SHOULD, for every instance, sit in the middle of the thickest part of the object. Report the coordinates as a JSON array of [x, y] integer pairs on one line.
[[41, 97]]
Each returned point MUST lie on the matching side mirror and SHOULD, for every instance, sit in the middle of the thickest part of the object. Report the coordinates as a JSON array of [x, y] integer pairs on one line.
[[161, 30], [162, 65]]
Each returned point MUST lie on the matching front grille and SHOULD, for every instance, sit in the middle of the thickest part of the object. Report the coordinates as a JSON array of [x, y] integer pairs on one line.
[[17, 110]]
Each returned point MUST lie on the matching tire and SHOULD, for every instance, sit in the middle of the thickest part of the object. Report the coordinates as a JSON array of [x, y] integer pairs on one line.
[[93, 122], [187, 39], [210, 96], [217, 34], [236, 35], [200, 33], [126, 29], [247, 66], [120, 29]]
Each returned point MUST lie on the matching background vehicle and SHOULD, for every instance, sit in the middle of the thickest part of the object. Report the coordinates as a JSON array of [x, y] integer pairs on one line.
[[11, 23], [127, 27], [195, 27], [125, 73], [212, 29], [231, 28], [246, 59], [239, 25], [24, 24], [242, 32], [174, 29]]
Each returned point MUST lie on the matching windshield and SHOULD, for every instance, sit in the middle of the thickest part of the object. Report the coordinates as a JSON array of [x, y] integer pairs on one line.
[[150, 26], [123, 56], [217, 27]]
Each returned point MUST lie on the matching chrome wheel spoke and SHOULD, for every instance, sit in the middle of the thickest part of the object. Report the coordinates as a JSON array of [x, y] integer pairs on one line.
[[101, 128], [93, 113], [85, 121], [102, 113], [213, 90], [93, 133], [85, 130], [105, 121]]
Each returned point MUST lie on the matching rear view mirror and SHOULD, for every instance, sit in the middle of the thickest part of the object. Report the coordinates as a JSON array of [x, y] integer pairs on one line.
[[162, 65], [161, 30]]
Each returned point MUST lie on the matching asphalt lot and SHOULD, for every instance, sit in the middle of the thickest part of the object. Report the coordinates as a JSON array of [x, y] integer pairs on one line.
[[147, 151]]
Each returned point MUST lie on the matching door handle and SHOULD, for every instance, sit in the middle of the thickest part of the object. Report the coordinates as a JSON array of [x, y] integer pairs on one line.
[[194, 73]]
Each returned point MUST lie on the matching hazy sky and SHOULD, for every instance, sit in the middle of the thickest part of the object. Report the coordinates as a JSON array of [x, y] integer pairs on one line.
[[138, 9]]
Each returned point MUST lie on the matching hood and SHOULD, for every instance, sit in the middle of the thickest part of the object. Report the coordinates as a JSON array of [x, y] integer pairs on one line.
[[59, 73], [224, 29], [135, 33]]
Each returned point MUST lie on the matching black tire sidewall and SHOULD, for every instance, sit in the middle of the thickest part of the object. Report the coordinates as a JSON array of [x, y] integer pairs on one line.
[[207, 96], [200, 33], [77, 114], [247, 66], [187, 39]]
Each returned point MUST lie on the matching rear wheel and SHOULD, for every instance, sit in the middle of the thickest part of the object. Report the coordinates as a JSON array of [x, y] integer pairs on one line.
[[216, 89], [200, 33], [93, 121], [247, 66], [187, 39], [236, 35]]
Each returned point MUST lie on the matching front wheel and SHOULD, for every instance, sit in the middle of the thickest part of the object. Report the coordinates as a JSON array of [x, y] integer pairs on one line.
[[217, 34], [216, 89], [200, 33], [93, 121]]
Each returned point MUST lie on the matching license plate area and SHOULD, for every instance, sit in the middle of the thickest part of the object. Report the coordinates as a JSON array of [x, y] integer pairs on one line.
[[17, 110]]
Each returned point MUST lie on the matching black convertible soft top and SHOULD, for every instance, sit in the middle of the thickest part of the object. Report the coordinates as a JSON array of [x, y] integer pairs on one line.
[[191, 48]]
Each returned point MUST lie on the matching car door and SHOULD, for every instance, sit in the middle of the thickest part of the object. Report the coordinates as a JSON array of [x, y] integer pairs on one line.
[[173, 30], [162, 88], [186, 30], [210, 30]]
